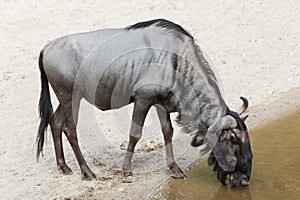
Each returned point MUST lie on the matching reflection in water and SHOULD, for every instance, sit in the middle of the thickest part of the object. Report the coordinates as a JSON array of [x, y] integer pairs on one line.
[[275, 174], [233, 194]]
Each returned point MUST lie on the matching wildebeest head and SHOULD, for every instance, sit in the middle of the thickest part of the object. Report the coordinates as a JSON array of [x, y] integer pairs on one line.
[[231, 151], [232, 154]]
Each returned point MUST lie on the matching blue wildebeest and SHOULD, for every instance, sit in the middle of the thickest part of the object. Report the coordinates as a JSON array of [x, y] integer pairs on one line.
[[153, 63]]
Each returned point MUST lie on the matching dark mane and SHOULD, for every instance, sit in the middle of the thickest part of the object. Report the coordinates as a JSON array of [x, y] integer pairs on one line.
[[163, 23]]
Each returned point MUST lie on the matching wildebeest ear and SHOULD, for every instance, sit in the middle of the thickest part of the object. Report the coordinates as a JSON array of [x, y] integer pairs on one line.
[[197, 140], [244, 118]]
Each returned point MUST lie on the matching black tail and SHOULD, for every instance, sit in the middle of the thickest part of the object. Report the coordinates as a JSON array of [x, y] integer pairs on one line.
[[45, 108]]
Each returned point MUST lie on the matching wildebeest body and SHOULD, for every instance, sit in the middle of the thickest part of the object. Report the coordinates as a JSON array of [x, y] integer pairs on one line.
[[125, 62], [150, 63]]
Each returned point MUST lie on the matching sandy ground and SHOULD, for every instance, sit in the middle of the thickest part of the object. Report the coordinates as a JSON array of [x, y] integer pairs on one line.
[[254, 45]]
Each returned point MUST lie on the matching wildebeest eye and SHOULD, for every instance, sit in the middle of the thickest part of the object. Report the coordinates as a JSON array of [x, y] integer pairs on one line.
[[228, 135], [223, 136], [232, 138]]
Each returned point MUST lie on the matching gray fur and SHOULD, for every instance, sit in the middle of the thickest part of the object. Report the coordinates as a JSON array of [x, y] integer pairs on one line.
[[114, 56], [150, 63]]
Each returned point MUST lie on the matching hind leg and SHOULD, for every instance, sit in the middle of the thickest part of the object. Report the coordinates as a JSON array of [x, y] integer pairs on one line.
[[57, 124], [69, 98], [71, 115]]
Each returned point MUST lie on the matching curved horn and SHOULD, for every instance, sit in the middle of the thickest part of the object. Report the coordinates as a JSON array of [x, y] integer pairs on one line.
[[245, 105], [228, 122]]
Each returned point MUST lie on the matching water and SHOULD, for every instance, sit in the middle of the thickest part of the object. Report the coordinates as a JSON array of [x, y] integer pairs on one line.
[[275, 173]]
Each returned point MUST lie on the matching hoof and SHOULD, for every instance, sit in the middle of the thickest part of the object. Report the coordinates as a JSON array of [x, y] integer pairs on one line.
[[88, 176], [68, 172], [178, 176], [130, 179], [65, 170]]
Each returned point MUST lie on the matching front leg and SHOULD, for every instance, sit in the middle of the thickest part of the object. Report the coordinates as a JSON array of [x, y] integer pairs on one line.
[[140, 111], [167, 130]]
